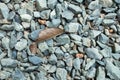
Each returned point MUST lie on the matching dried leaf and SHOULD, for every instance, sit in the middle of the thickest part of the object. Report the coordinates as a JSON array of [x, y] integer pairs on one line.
[[43, 22], [49, 33], [79, 55], [33, 48]]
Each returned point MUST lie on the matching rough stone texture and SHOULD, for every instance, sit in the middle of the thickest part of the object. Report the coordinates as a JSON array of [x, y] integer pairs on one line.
[[61, 74], [41, 4]]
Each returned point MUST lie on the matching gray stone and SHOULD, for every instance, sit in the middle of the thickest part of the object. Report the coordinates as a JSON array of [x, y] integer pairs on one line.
[[75, 37], [111, 15], [2, 55], [58, 10], [5, 42], [106, 52], [52, 3], [34, 34], [117, 1], [52, 59], [79, 1], [63, 39], [4, 10], [116, 48], [108, 21], [35, 60], [20, 45], [56, 22], [11, 15], [105, 3], [53, 14], [50, 42], [72, 27], [89, 64], [8, 62], [94, 33], [18, 27], [18, 75], [61, 74], [59, 53], [2, 34], [93, 53], [36, 14], [100, 74], [74, 8], [41, 4], [5, 1], [7, 27], [91, 72], [52, 69], [116, 56], [77, 63], [26, 17], [112, 71], [43, 46], [45, 14], [68, 15], [86, 41], [93, 5], [26, 25], [103, 38], [4, 74], [60, 64], [31, 68]]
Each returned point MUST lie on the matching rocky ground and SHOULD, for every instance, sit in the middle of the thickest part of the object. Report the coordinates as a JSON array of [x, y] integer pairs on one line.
[[89, 48]]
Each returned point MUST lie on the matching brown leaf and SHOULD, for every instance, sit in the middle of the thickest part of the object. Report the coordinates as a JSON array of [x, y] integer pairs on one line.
[[33, 48], [79, 55], [49, 33], [43, 22]]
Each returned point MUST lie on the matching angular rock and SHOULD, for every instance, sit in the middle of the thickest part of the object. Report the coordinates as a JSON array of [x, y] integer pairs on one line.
[[36, 14], [79, 1], [93, 53], [77, 63], [63, 39], [5, 42], [103, 38], [72, 27], [52, 3], [52, 69], [90, 64], [26, 25], [22, 44], [93, 5], [74, 8], [61, 74], [116, 48], [45, 14], [8, 62], [59, 53], [18, 27], [43, 46], [75, 37], [110, 15], [52, 59], [100, 74], [53, 14], [7, 27], [94, 33], [86, 42], [41, 4], [56, 22], [26, 17], [117, 1], [35, 60], [68, 15], [60, 64], [108, 21], [4, 75], [91, 72]]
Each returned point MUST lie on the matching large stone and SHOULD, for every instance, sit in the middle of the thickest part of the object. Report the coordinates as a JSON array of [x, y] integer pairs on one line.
[[7, 27], [4, 75], [41, 4], [68, 15], [52, 3], [108, 21]]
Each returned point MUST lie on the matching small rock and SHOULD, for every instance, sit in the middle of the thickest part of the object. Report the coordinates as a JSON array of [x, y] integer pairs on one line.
[[2, 34], [106, 3], [106, 52], [4, 75], [63, 39], [72, 27], [52, 59], [8, 62], [31, 68], [36, 14], [117, 1], [11, 15], [5, 42], [18, 27], [74, 8], [91, 72], [103, 38], [100, 74], [26, 17], [90, 64], [61, 74], [56, 22], [52, 69], [22, 44], [110, 15], [94, 33], [93, 5], [45, 14], [7, 27], [35, 60], [75, 37], [52, 3], [77, 63], [86, 42], [43, 46], [26, 25], [116, 48], [79, 1], [41, 4], [60, 64], [67, 15], [108, 21], [93, 53], [53, 14], [59, 53]]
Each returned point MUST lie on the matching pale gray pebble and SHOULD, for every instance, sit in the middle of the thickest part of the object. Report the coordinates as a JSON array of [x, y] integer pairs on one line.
[[86, 42], [60, 64], [35, 60], [52, 59], [52, 3], [4, 10], [100, 73], [20, 45], [93, 53], [103, 38], [93, 5], [2, 55], [72, 27], [31, 68], [5, 42], [41, 4], [26, 17], [90, 64], [43, 46], [26, 25], [11, 15], [53, 14], [52, 69], [61, 74], [2, 34], [63, 39], [108, 21], [8, 62], [36, 14], [112, 71], [117, 1], [40, 76], [74, 8], [109, 9], [91, 72], [79, 1], [56, 22], [4, 74], [110, 15], [7, 27], [116, 48], [59, 53], [68, 15], [114, 28], [50, 42], [59, 10], [76, 37], [18, 74], [116, 56], [18, 27], [76, 63], [45, 14], [17, 6], [94, 33], [106, 52], [5, 1]]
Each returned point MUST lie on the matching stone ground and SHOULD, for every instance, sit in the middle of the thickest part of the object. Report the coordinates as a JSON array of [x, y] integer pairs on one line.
[[89, 49]]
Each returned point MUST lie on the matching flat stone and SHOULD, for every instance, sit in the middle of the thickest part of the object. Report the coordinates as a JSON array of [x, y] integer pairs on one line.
[[52, 59], [20, 45], [4, 10], [4, 74], [2, 34], [77, 63], [31, 68], [75, 37], [107, 3], [41, 4], [35, 60], [86, 41], [110, 15], [56, 22], [18, 27], [91, 72], [74, 8], [63, 39], [5, 42], [36, 14], [93, 53], [53, 14], [26, 25], [103, 38], [43, 46], [72, 27], [100, 73], [60, 64], [79, 1], [93, 5], [7, 27], [8, 62], [61, 74], [26, 17], [11, 15], [58, 9], [90, 64], [52, 3], [116, 48], [68, 15], [108, 21], [94, 33], [45, 14], [106, 52]]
